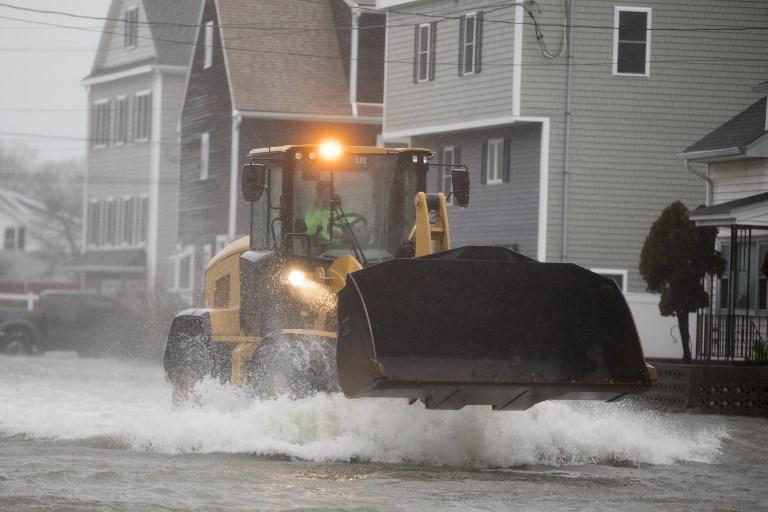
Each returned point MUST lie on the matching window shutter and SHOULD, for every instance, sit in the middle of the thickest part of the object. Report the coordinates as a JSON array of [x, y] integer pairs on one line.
[[484, 164], [416, 54], [433, 40], [479, 40], [505, 161], [457, 154], [462, 22], [440, 171]]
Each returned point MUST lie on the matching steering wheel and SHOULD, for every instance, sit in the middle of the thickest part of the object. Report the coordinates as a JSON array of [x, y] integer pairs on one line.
[[352, 218]]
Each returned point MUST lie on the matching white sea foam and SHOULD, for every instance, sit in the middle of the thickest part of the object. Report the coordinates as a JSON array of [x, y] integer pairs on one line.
[[80, 399]]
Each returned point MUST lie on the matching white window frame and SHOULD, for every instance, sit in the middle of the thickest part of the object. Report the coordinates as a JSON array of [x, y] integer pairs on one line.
[[498, 173], [207, 254], [101, 126], [208, 45], [426, 52], [465, 43], [605, 272], [617, 10], [446, 173], [137, 118], [205, 155], [102, 223], [142, 223], [110, 226], [187, 252], [129, 42]]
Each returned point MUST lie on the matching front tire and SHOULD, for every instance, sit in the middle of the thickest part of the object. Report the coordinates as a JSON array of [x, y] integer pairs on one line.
[[188, 356], [18, 340], [296, 366]]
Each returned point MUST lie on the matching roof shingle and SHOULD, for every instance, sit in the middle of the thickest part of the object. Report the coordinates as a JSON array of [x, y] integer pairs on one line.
[[738, 132]]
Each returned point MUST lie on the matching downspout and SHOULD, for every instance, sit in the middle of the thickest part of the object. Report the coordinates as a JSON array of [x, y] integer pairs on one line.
[[234, 172], [703, 176], [354, 34], [567, 143]]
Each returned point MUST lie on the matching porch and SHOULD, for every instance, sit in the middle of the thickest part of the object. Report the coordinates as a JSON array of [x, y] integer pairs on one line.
[[733, 327]]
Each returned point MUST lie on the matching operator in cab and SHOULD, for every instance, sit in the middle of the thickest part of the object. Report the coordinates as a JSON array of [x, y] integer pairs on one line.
[[318, 216]]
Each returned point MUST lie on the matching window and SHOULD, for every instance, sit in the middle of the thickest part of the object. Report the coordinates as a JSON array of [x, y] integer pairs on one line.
[[221, 292], [143, 219], [494, 161], [15, 239], [424, 52], [100, 124], [128, 221], [208, 42], [94, 222], [131, 28], [142, 117], [111, 222], [204, 155], [183, 270], [617, 276], [750, 283], [470, 41], [631, 41], [121, 120], [448, 159]]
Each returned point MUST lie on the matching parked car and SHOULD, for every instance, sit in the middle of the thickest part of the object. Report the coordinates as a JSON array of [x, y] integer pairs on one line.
[[64, 320]]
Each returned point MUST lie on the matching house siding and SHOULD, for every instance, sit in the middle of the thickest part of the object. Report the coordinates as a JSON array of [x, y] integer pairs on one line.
[[204, 204], [119, 170], [626, 131], [499, 214], [115, 54], [450, 98], [738, 179]]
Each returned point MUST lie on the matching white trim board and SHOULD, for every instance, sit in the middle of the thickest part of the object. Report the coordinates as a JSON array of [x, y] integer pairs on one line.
[[457, 127], [517, 60], [132, 72]]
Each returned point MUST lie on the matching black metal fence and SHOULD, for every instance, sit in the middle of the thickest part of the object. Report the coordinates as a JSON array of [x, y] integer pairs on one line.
[[730, 337]]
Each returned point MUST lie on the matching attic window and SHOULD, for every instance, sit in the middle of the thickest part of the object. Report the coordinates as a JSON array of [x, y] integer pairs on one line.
[[632, 41], [131, 29]]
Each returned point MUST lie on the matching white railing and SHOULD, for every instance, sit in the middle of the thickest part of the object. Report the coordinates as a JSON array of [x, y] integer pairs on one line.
[[29, 298]]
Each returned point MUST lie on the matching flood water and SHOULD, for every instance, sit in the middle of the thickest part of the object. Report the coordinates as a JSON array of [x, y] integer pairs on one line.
[[89, 434]]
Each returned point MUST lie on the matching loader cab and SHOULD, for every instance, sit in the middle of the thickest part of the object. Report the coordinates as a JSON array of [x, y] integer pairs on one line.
[[325, 202]]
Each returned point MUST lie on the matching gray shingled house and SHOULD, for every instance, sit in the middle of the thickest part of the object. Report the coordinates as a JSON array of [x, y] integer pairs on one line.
[[263, 74], [571, 135], [134, 98], [733, 161]]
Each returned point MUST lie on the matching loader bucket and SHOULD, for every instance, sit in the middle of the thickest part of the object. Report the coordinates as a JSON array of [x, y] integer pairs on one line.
[[484, 325]]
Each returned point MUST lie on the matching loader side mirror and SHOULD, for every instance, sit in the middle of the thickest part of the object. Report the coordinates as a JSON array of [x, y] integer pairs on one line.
[[460, 185], [253, 181]]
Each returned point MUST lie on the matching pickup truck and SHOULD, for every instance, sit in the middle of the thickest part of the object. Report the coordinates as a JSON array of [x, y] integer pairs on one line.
[[62, 320]]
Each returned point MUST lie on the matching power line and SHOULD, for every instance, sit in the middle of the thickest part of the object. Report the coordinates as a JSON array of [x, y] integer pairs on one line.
[[410, 61], [446, 17]]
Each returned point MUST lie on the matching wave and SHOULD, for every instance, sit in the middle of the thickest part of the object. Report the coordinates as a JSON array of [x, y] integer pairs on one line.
[[122, 404]]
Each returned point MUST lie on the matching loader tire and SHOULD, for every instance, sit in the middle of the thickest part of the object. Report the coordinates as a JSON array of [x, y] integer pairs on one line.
[[293, 366], [18, 340], [189, 357]]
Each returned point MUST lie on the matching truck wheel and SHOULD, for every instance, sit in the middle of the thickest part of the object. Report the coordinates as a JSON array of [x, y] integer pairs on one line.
[[188, 358], [296, 366], [18, 341]]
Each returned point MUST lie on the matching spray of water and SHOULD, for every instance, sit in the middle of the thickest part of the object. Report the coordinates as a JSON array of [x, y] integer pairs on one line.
[[74, 399]]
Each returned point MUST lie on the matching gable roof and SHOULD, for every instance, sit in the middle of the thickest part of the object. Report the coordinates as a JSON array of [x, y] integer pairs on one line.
[[737, 133], [286, 71], [170, 24], [173, 28], [751, 210]]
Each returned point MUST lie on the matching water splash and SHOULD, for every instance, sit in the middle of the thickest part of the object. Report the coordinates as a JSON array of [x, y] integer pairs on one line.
[[80, 399]]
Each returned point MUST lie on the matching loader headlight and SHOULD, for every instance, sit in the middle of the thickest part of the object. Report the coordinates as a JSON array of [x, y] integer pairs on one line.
[[297, 278], [329, 150]]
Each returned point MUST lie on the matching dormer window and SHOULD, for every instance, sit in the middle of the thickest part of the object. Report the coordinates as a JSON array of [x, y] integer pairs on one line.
[[131, 29]]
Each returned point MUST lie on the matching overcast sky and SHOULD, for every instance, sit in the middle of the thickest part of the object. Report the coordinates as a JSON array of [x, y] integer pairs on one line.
[[41, 70]]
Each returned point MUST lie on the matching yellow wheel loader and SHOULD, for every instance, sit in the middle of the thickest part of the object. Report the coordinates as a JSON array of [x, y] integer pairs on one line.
[[349, 271]]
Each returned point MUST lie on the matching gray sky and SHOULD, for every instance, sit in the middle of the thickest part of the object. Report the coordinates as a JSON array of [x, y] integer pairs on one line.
[[41, 70]]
